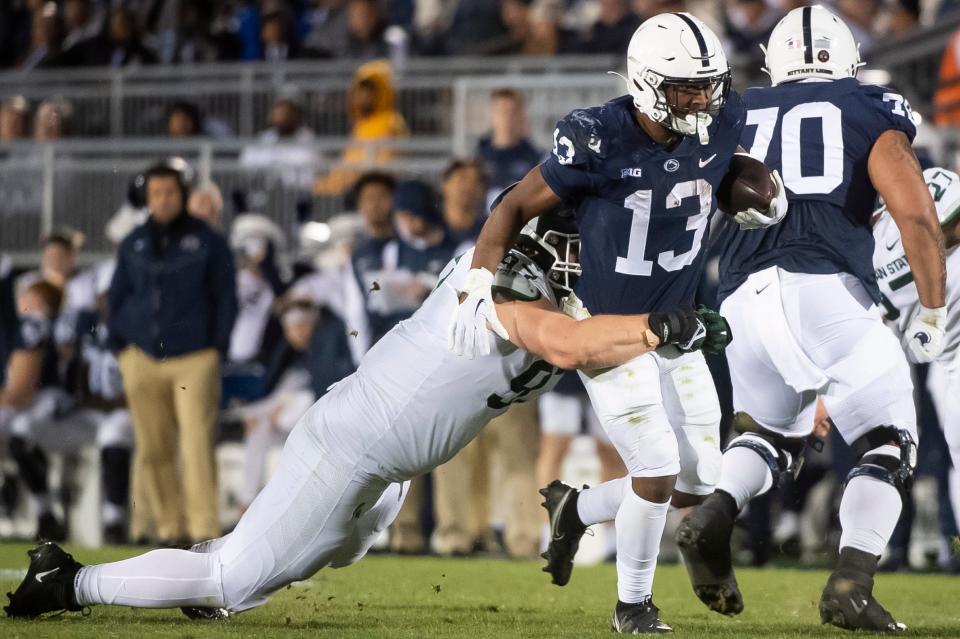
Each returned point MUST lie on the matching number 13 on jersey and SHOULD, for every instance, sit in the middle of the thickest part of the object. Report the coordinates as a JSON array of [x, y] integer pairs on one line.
[[640, 204]]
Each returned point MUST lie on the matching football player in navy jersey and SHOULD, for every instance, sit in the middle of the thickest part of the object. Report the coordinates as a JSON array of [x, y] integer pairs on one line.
[[799, 299], [642, 171]]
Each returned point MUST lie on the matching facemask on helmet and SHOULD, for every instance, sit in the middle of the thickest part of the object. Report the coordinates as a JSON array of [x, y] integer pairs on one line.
[[677, 73], [552, 242]]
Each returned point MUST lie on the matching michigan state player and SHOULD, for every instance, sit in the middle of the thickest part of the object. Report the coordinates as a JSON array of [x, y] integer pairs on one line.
[[800, 301], [642, 171], [410, 407], [901, 305]]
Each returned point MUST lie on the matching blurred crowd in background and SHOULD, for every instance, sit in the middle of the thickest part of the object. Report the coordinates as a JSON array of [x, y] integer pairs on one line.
[[38, 34], [254, 320]]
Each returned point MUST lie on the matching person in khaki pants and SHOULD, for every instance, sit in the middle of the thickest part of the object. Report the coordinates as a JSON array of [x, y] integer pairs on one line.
[[172, 304], [492, 479]]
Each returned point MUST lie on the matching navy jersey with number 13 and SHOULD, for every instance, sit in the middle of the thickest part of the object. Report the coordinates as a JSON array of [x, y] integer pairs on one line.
[[643, 209], [819, 136]]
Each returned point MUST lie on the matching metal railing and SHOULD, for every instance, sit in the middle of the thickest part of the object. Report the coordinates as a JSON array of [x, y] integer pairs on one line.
[[133, 102], [82, 183]]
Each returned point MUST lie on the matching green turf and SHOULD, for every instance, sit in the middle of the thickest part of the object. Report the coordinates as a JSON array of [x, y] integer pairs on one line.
[[416, 597]]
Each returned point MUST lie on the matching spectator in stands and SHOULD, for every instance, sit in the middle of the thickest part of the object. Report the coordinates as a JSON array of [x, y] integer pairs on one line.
[[748, 24], [859, 15], [257, 242], [396, 274], [206, 203], [50, 122], [46, 49], [370, 105], [285, 149], [613, 29], [332, 284], [903, 17], [277, 37], [121, 45], [463, 189], [476, 28], [83, 20], [184, 120], [366, 25], [506, 152], [373, 197], [33, 390], [199, 32], [172, 304], [324, 25], [14, 119]]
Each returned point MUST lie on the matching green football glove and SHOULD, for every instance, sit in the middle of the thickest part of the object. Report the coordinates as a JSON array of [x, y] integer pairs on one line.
[[718, 334]]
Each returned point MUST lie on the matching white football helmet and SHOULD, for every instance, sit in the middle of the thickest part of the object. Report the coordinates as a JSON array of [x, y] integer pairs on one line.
[[944, 187], [811, 42], [672, 51]]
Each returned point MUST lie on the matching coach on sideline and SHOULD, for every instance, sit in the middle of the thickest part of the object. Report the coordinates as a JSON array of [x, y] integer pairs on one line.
[[172, 305]]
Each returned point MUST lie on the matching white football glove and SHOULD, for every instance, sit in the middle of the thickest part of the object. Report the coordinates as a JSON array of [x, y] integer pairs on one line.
[[468, 335], [754, 219], [925, 334]]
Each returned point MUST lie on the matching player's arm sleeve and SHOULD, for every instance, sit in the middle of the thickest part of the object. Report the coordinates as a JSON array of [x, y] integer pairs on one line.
[[596, 342], [577, 141]]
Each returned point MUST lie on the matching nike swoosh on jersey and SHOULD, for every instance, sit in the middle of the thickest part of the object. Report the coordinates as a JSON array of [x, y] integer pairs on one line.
[[703, 162], [892, 244], [762, 289], [40, 575]]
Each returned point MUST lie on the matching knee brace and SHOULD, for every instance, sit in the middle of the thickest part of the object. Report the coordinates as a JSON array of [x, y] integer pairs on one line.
[[781, 453], [898, 472]]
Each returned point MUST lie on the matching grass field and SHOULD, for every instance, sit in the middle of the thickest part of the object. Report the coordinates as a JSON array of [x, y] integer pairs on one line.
[[425, 597]]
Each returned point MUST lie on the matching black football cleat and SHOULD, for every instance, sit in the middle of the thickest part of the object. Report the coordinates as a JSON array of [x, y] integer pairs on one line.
[[566, 529], [847, 600], [703, 539], [48, 585], [198, 613], [638, 619]]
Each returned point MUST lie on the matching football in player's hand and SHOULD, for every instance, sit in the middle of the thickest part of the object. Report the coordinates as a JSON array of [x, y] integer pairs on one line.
[[746, 185]]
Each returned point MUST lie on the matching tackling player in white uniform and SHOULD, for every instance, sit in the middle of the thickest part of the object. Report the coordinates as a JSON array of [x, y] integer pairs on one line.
[[344, 470], [901, 305]]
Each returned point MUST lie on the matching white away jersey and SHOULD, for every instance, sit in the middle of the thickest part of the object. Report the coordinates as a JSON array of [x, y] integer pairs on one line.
[[412, 404], [899, 295]]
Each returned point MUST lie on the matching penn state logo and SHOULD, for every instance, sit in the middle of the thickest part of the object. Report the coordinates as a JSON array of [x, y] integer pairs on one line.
[[921, 337], [671, 165], [823, 55]]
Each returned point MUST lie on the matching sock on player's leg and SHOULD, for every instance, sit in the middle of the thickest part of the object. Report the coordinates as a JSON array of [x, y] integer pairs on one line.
[[744, 475], [639, 529], [869, 511], [157, 579], [600, 503]]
